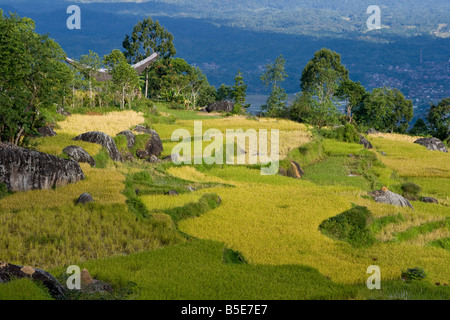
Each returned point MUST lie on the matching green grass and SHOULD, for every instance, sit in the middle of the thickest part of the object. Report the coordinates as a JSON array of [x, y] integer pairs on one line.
[[443, 243], [425, 228], [262, 242], [23, 289], [335, 171], [378, 224], [194, 209], [334, 147], [70, 234], [196, 271], [183, 114]]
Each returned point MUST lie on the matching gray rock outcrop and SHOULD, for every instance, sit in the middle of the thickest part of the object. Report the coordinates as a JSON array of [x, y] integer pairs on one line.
[[46, 131], [79, 155], [22, 169], [85, 198], [141, 129], [104, 140], [154, 144], [429, 200], [372, 131], [386, 196], [366, 143], [224, 105], [432, 144]]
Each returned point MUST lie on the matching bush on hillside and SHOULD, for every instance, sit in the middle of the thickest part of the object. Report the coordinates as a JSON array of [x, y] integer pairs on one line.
[[350, 226], [414, 274], [345, 133], [410, 190]]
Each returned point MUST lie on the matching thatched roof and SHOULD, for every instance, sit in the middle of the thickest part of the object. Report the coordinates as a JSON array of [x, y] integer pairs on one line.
[[104, 75]]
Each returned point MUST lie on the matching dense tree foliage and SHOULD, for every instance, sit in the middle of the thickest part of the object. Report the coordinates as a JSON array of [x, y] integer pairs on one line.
[[224, 92], [438, 118], [273, 76], [177, 81], [147, 37], [306, 108], [420, 128], [385, 109], [320, 81], [33, 77], [239, 93], [353, 94], [124, 76], [89, 64]]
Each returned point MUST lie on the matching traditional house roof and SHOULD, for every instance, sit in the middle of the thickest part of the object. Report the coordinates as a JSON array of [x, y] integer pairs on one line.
[[104, 75]]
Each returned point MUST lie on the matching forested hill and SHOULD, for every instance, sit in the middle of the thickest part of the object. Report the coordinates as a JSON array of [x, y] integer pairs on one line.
[[222, 37], [306, 17]]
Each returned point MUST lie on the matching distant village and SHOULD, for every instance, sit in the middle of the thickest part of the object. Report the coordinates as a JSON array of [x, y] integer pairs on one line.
[[425, 83]]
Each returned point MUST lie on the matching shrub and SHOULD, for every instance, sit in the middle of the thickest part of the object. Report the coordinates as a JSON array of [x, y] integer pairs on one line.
[[3, 190], [233, 257], [414, 274], [350, 226], [346, 133], [410, 190]]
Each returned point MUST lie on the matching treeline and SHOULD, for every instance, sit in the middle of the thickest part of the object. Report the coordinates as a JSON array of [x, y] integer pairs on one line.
[[326, 88], [35, 80]]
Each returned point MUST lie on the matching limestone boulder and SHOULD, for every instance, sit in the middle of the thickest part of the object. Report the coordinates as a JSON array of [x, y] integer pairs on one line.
[[433, 144], [224, 106], [46, 131], [79, 155], [22, 169], [102, 139], [131, 138], [386, 196], [10, 272]]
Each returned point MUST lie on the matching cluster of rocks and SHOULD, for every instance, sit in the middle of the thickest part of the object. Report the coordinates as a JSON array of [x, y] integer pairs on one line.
[[104, 140], [23, 169], [58, 291]]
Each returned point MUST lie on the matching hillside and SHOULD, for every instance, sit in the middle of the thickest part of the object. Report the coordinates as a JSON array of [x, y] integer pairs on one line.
[[224, 37], [261, 242]]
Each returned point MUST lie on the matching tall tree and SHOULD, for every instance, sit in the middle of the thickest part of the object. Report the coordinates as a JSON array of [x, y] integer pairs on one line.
[[353, 93], [385, 109], [307, 109], [239, 93], [273, 76], [148, 36], [439, 119], [323, 74], [224, 92], [90, 64], [33, 77], [124, 76], [420, 128]]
